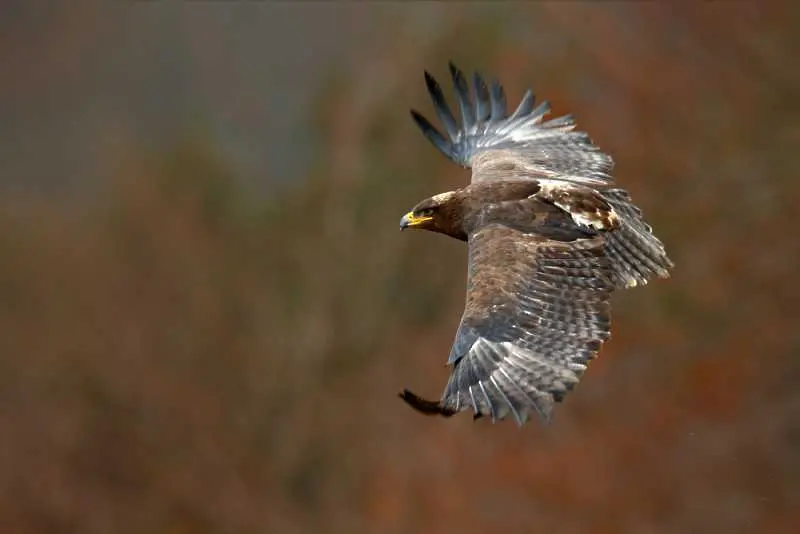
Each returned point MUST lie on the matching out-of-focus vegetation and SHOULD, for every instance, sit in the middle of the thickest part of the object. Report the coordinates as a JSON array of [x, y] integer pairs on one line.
[[178, 355]]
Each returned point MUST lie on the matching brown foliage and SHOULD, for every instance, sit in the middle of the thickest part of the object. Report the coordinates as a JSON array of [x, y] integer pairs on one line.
[[176, 357]]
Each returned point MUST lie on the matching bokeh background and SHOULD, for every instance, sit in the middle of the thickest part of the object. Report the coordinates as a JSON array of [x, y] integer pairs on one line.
[[206, 308]]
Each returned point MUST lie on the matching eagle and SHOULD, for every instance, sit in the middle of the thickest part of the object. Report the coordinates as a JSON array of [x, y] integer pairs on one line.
[[550, 237]]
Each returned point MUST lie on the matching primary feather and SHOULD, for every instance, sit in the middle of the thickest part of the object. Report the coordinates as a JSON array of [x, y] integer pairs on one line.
[[547, 147]]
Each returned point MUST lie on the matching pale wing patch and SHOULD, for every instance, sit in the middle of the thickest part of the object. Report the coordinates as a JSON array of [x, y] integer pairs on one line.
[[586, 206]]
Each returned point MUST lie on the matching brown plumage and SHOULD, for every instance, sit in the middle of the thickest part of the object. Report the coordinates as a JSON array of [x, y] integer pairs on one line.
[[549, 239]]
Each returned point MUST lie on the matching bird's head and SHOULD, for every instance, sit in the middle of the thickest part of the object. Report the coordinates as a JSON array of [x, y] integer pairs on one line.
[[440, 213]]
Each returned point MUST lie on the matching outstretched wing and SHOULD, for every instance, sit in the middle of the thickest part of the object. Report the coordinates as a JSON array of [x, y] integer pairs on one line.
[[537, 312], [547, 149], [525, 146]]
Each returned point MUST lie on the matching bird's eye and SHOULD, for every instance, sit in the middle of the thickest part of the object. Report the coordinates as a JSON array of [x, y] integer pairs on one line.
[[426, 212]]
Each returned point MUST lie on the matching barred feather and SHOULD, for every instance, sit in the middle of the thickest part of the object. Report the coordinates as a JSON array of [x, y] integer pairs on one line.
[[637, 254], [522, 346]]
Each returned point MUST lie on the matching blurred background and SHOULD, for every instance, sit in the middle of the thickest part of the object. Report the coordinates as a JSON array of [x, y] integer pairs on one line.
[[206, 308]]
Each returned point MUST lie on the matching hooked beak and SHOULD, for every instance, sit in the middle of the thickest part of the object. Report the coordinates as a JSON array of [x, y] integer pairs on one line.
[[409, 220]]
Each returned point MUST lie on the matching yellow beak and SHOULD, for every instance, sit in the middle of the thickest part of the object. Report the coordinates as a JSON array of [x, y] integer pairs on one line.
[[410, 220]]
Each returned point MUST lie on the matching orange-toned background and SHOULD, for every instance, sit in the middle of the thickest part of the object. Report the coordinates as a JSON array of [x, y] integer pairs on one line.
[[206, 308]]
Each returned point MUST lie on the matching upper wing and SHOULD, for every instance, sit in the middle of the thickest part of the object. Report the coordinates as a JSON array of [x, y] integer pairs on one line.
[[497, 146], [493, 143], [636, 254], [537, 312]]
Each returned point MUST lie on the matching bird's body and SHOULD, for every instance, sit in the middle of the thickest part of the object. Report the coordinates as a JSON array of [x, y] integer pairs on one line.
[[550, 238]]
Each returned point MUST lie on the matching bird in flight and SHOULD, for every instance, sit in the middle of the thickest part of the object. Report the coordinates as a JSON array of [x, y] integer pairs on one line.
[[550, 237]]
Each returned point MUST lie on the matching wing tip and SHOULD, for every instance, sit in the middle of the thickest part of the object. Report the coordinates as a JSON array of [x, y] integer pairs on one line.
[[452, 66], [432, 85], [488, 121], [425, 406]]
